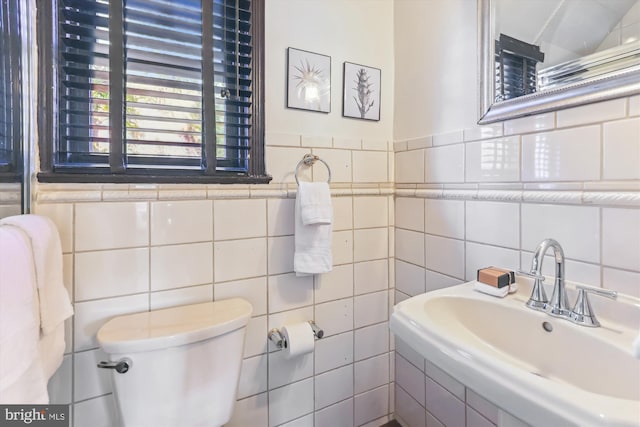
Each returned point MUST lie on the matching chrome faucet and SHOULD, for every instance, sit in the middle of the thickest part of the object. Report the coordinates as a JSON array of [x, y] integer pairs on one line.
[[558, 305]]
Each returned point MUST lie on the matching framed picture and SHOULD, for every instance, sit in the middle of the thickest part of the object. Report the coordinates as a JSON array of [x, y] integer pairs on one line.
[[308, 80], [361, 88]]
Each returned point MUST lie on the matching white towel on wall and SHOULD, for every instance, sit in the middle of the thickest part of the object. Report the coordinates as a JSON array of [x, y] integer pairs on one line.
[[312, 242], [40, 345], [315, 203], [53, 298], [22, 377]]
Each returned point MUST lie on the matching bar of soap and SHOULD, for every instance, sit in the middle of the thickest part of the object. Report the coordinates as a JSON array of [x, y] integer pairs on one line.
[[496, 277]]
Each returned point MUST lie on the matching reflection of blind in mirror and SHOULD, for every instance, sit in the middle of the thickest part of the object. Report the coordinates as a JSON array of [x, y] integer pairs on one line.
[[10, 81], [515, 67]]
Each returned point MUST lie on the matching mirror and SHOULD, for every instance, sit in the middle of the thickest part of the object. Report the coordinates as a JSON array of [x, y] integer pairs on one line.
[[537, 56], [16, 107]]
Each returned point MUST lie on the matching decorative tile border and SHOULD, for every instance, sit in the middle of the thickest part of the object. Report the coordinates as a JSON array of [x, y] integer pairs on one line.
[[125, 192], [600, 198]]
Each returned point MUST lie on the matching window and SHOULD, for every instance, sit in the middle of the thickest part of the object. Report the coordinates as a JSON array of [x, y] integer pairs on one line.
[[152, 90], [10, 92]]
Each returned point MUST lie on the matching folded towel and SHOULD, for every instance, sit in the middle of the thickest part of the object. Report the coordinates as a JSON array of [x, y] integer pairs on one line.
[[315, 203], [492, 290], [47, 257], [22, 379], [312, 245]]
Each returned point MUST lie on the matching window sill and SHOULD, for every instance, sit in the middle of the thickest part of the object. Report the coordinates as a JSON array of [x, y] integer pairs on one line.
[[76, 178]]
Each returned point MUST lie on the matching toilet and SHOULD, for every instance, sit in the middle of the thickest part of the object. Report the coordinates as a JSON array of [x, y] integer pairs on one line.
[[178, 366]]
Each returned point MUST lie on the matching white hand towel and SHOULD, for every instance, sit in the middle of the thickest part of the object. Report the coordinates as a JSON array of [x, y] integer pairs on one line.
[[54, 302], [312, 253], [315, 203], [22, 378]]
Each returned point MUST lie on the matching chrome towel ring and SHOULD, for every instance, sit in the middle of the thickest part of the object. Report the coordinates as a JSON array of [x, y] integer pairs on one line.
[[309, 160]]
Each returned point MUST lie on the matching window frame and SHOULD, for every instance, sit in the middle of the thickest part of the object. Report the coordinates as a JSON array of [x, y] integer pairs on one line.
[[47, 18]]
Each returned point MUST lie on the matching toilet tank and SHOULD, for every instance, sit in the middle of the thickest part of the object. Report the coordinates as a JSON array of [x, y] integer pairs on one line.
[[185, 363]]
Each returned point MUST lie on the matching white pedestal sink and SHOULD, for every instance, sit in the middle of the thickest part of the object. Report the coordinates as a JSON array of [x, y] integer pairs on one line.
[[547, 371]]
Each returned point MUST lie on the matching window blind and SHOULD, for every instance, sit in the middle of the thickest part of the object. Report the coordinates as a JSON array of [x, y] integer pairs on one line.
[[10, 94], [160, 85], [516, 62]]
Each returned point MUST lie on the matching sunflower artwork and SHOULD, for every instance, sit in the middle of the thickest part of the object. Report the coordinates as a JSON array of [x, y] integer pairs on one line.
[[308, 81]]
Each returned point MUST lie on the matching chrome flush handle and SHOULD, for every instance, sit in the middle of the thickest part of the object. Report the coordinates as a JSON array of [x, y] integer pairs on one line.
[[122, 366]]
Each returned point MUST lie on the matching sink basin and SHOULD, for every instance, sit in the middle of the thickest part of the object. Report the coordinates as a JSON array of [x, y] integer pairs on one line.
[[544, 370]]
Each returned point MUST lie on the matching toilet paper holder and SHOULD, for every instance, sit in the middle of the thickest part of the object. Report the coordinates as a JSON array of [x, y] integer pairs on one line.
[[279, 340]]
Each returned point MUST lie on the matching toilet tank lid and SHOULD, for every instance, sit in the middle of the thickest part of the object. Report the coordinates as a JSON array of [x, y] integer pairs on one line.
[[171, 327]]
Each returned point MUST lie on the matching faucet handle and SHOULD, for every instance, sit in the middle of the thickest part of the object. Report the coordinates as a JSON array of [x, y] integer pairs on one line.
[[538, 299], [531, 275], [582, 313]]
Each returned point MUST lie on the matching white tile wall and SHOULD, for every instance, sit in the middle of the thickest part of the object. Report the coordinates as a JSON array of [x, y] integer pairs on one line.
[[338, 415], [162, 261], [371, 373], [494, 223], [371, 405], [370, 166], [444, 255], [181, 265], [111, 225], [444, 218], [181, 222], [444, 164], [333, 352], [340, 163], [333, 386], [290, 402], [369, 212], [280, 217], [253, 290], [621, 149], [371, 276], [371, 341], [335, 317], [370, 308], [284, 370], [412, 169], [238, 219], [410, 246], [495, 160], [530, 124], [334, 285], [410, 213], [576, 228], [601, 111], [370, 244], [410, 278], [621, 238], [563, 155], [105, 274], [239, 259], [288, 292]]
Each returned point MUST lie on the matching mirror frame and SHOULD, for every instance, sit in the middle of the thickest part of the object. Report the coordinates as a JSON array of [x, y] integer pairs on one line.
[[615, 84], [29, 95]]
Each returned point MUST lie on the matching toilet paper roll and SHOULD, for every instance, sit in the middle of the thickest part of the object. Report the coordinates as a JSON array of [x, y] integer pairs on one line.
[[299, 337]]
